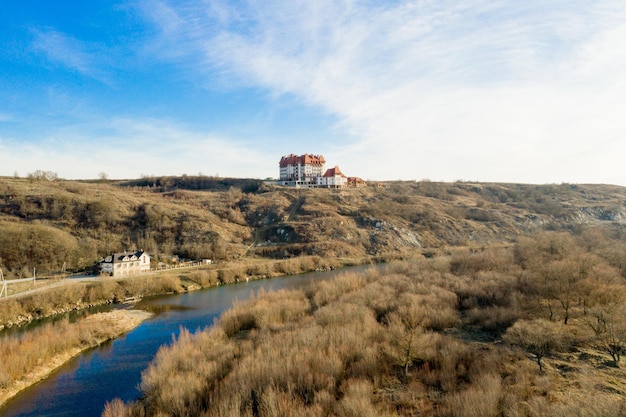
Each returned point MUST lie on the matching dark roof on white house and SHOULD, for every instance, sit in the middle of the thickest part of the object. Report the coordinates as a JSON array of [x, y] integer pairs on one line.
[[123, 257]]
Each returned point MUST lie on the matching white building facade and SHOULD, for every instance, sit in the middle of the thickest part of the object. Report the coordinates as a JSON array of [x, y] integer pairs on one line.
[[301, 170], [332, 178], [125, 263]]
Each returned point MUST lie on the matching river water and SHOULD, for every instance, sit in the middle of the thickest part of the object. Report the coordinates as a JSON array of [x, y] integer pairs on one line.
[[83, 386]]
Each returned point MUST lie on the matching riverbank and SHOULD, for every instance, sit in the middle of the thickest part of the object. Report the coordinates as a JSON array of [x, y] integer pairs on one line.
[[32, 357], [105, 290]]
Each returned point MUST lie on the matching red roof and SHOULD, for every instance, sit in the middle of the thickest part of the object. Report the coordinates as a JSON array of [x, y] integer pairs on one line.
[[305, 159], [333, 172]]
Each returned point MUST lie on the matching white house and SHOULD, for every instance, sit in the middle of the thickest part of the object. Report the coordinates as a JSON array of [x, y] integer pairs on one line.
[[332, 178], [125, 263]]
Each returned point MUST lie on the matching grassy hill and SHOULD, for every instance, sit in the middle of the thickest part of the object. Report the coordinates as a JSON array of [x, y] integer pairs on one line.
[[491, 275], [55, 225]]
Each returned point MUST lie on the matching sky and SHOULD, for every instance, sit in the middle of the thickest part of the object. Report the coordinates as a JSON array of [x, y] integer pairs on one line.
[[527, 91]]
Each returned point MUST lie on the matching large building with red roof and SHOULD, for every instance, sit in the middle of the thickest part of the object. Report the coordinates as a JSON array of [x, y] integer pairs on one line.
[[301, 170], [309, 171]]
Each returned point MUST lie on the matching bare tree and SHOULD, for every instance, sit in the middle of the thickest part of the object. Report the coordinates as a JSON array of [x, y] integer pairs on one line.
[[43, 175], [538, 337], [406, 327], [609, 327]]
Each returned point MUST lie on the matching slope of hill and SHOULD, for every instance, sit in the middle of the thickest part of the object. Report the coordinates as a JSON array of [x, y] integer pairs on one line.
[[55, 225]]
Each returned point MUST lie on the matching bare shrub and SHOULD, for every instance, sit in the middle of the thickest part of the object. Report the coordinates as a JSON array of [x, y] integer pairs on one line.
[[24, 353], [381, 298], [204, 278], [538, 337], [494, 319], [485, 289], [404, 345], [226, 276], [288, 267], [492, 259], [328, 291], [9, 310], [481, 399], [116, 408], [238, 319], [452, 361], [435, 306], [596, 405], [609, 326], [357, 400], [273, 309], [180, 373], [534, 252]]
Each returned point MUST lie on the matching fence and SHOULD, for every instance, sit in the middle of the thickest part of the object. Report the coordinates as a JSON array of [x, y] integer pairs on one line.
[[178, 266], [4, 283]]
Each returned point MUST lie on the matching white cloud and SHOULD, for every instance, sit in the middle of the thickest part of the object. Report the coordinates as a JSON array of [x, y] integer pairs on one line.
[[86, 58], [514, 91], [128, 148]]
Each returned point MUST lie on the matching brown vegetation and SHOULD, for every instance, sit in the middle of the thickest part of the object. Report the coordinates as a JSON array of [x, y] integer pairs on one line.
[[69, 225], [438, 337], [28, 358], [447, 336], [78, 295]]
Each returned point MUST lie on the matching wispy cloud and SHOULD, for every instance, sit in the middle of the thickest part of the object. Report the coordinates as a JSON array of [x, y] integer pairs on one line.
[[87, 58], [441, 89]]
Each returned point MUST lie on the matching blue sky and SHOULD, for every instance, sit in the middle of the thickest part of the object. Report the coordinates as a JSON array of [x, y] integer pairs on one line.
[[474, 90]]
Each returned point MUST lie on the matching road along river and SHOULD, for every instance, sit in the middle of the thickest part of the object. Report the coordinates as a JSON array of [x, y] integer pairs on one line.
[[82, 386]]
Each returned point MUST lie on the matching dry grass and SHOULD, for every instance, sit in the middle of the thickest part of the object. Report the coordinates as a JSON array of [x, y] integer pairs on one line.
[[30, 357], [76, 295], [414, 339]]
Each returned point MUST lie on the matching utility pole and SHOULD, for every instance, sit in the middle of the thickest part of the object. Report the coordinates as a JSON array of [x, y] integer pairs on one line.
[[3, 290]]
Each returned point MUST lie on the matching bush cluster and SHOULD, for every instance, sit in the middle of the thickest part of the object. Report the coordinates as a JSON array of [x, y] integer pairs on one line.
[[439, 337]]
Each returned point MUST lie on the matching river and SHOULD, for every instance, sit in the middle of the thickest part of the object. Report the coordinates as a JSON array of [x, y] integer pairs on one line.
[[83, 386]]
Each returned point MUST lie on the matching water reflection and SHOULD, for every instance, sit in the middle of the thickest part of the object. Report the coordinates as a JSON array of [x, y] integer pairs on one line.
[[152, 307]]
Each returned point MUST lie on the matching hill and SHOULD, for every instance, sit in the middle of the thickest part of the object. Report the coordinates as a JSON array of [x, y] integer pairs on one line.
[[69, 225], [491, 275]]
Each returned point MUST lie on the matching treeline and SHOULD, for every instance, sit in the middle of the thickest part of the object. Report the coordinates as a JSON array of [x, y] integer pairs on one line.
[[447, 336], [197, 182]]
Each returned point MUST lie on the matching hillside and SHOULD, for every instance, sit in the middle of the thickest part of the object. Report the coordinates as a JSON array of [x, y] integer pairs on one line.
[[69, 225]]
